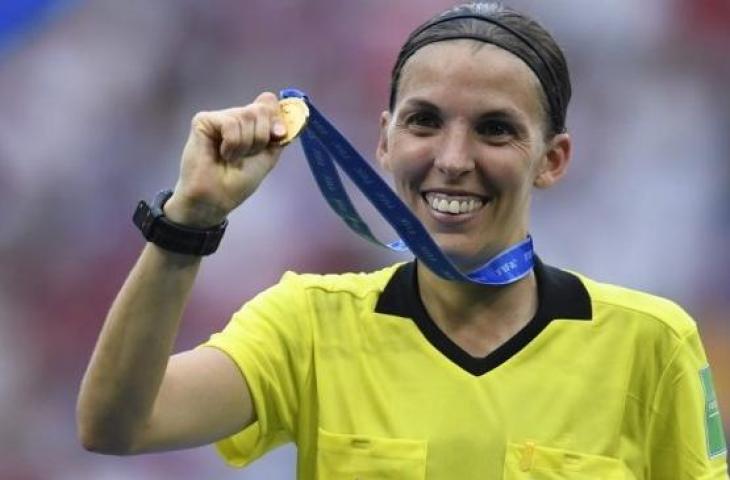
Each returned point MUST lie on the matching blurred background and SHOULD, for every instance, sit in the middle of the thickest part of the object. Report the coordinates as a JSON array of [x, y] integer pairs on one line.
[[95, 104]]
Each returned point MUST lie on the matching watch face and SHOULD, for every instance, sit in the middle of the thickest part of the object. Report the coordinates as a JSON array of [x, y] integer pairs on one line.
[[144, 218]]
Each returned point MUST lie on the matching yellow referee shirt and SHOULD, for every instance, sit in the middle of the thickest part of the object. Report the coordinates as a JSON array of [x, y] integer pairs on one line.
[[604, 383]]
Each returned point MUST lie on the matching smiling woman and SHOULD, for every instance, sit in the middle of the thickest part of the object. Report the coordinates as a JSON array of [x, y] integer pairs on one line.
[[399, 373], [468, 129]]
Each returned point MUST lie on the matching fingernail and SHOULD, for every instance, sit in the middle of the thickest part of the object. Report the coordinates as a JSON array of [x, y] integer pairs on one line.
[[279, 128]]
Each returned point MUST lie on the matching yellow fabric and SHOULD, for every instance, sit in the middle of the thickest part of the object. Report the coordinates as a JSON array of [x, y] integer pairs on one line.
[[365, 395]]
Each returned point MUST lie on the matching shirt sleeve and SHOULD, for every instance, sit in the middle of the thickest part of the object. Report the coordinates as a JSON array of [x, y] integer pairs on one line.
[[269, 339], [686, 439]]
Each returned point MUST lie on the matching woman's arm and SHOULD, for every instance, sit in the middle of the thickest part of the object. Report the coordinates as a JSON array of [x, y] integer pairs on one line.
[[134, 397]]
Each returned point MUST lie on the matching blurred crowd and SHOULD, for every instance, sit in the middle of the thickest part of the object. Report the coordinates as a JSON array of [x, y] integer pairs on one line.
[[96, 100]]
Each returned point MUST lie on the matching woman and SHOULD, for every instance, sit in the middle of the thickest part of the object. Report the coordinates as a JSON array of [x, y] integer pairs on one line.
[[399, 373]]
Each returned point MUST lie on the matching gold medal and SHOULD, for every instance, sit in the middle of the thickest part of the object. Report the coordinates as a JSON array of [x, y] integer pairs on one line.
[[295, 113]]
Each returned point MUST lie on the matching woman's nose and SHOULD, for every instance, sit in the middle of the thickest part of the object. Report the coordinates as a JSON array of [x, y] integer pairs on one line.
[[455, 157]]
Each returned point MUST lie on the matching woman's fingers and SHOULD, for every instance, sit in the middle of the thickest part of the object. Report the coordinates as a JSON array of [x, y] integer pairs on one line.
[[262, 133], [246, 131], [243, 131], [238, 135], [227, 155]]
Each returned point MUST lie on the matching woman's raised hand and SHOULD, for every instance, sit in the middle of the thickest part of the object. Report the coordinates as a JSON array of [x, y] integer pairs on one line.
[[227, 155]]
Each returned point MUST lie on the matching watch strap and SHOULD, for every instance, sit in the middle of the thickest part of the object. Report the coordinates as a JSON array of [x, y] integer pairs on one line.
[[160, 230]]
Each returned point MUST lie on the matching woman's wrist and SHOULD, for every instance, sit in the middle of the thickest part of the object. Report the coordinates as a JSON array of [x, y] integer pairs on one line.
[[195, 216]]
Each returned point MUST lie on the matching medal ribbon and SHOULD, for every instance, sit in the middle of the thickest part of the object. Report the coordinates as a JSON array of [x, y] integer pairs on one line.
[[324, 147]]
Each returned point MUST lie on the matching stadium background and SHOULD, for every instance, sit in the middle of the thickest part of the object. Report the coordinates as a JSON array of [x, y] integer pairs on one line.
[[95, 103]]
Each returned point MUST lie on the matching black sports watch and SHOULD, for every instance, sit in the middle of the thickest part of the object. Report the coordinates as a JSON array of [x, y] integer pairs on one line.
[[158, 229]]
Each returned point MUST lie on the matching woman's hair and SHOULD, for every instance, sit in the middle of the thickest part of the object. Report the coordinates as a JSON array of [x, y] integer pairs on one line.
[[508, 29]]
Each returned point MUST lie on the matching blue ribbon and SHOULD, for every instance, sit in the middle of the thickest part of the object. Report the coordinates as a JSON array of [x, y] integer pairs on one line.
[[324, 147]]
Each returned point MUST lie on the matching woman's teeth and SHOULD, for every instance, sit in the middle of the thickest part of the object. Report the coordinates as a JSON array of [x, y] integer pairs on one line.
[[454, 205]]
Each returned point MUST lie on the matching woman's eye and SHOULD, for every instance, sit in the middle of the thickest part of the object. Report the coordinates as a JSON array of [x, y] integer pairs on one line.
[[423, 120], [496, 129]]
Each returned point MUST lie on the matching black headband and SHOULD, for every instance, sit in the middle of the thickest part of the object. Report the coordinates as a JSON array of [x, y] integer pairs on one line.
[[542, 69]]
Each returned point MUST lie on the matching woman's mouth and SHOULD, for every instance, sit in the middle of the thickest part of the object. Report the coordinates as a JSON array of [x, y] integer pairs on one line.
[[454, 204]]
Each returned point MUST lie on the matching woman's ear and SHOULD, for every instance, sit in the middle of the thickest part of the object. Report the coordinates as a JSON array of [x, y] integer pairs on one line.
[[382, 150], [555, 162]]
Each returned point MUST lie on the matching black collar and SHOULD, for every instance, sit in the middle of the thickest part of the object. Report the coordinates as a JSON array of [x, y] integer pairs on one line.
[[561, 295]]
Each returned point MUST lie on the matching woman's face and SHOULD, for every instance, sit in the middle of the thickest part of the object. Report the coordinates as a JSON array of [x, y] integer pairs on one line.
[[465, 144]]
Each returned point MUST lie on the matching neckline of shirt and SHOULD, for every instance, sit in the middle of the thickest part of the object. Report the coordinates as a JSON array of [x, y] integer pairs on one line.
[[561, 295]]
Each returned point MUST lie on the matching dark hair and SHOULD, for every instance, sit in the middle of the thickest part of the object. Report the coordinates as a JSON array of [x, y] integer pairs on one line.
[[508, 29]]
